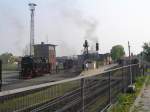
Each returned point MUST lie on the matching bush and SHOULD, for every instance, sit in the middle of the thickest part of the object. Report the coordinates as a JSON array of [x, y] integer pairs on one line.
[[125, 100]]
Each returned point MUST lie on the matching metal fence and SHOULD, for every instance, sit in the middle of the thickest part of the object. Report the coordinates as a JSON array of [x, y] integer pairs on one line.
[[9, 77], [90, 93]]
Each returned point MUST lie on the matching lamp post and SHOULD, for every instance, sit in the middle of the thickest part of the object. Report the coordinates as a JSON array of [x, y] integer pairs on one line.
[[32, 9]]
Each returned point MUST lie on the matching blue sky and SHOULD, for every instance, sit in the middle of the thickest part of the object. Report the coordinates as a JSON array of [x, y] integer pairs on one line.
[[66, 23]]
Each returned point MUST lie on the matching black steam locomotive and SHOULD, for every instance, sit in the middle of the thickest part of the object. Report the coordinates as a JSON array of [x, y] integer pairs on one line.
[[33, 67]]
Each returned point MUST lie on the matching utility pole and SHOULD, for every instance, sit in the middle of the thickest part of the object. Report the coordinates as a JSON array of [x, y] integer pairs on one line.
[[129, 48], [32, 9], [131, 87]]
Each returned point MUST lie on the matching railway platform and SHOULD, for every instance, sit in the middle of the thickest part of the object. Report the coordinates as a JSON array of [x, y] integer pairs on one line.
[[143, 103], [99, 70]]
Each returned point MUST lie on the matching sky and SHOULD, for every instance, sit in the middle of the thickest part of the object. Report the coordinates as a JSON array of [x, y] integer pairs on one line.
[[68, 23]]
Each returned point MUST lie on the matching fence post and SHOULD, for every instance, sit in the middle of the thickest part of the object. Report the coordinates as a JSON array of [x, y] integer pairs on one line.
[[123, 89], [0, 75], [140, 71], [131, 75], [82, 94], [143, 69], [109, 87], [137, 70]]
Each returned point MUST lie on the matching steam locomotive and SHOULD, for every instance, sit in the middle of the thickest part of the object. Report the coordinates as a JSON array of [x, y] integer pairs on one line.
[[33, 67]]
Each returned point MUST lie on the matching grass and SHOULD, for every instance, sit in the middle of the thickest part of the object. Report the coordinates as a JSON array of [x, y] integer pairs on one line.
[[126, 100], [148, 70], [9, 67]]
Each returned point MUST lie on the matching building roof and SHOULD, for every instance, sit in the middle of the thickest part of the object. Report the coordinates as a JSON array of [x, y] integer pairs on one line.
[[42, 43]]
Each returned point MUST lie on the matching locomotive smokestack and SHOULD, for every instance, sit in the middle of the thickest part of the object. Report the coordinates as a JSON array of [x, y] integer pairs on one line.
[[32, 9]]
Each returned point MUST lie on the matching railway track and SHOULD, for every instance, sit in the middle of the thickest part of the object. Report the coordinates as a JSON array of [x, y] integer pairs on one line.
[[73, 101]]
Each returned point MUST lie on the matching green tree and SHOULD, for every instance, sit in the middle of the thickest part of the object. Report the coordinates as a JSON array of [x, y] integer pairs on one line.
[[5, 57], [146, 51], [117, 52]]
